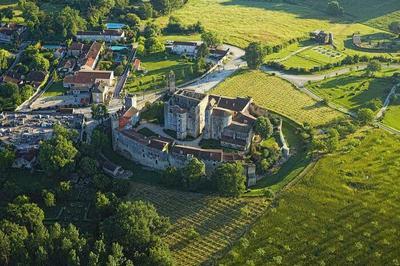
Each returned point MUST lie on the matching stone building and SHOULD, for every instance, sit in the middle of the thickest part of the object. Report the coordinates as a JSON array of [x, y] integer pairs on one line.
[[184, 113], [221, 118]]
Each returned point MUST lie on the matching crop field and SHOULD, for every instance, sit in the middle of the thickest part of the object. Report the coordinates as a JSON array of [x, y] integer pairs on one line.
[[355, 90], [202, 225], [277, 95], [344, 211], [392, 115], [158, 66]]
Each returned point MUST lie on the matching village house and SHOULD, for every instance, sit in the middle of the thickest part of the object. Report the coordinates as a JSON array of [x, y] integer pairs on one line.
[[89, 61], [36, 78], [100, 91], [75, 49], [185, 48], [104, 35], [68, 66], [11, 32], [84, 81]]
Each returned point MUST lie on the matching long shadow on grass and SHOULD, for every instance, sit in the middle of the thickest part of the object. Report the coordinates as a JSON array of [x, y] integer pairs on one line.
[[318, 11]]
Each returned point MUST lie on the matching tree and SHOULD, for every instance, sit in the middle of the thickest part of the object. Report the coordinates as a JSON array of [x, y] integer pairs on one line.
[[138, 228], [365, 116], [230, 179], [263, 127], [88, 166], [102, 182], [99, 140], [68, 22], [7, 13], [132, 20], [395, 27], [203, 51], [4, 59], [373, 67], [254, 55], [193, 173], [7, 158], [332, 142], [49, 198], [58, 153], [172, 177], [99, 112], [210, 39], [25, 213], [334, 8], [161, 6], [153, 45]]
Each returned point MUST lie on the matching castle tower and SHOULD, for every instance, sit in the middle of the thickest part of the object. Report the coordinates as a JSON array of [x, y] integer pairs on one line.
[[171, 82]]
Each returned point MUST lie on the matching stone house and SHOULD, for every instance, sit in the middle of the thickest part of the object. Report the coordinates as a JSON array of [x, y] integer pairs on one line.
[[84, 81], [185, 48]]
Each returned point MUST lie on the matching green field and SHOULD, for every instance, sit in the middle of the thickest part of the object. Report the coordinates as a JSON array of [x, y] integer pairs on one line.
[[240, 21], [157, 67], [218, 221], [345, 211], [392, 114], [355, 90], [56, 89], [277, 95]]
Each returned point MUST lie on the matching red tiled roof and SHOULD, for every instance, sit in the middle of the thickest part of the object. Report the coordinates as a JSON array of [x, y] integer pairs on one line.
[[205, 154], [93, 53], [87, 77]]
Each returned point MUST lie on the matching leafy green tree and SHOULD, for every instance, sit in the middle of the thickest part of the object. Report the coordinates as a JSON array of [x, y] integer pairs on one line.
[[132, 20], [254, 55], [334, 8], [373, 67], [153, 45], [211, 39], [26, 92], [25, 213], [49, 198], [230, 179], [203, 51], [161, 6], [68, 22], [7, 13], [138, 228], [88, 166], [4, 59], [102, 182], [332, 142], [99, 112], [57, 154], [263, 127], [172, 177], [193, 173], [7, 158], [365, 116]]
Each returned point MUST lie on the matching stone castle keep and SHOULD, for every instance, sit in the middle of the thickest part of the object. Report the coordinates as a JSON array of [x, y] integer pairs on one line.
[[191, 114]]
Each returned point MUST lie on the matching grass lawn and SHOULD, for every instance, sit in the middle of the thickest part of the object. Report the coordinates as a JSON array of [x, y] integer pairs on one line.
[[56, 89], [267, 22], [345, 211], [355, 90], [158, 66], [218, 221], [277, 95], [392, 115]]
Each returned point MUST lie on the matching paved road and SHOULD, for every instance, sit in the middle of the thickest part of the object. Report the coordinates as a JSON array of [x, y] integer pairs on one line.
[[234, 62], [294, 53], [122, 80]]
